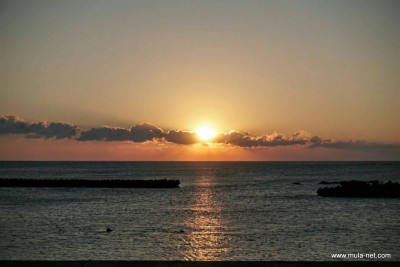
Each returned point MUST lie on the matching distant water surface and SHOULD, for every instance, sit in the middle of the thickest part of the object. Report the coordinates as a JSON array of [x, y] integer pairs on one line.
[[222, 211]]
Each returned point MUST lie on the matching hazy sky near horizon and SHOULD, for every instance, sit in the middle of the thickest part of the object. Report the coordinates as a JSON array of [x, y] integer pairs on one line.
[[327, 67]]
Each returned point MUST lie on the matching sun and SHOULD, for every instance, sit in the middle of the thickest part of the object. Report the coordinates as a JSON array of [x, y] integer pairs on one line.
[[205, 133]]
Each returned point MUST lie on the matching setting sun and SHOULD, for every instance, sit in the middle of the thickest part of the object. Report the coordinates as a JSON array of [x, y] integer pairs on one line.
[[205, 133]]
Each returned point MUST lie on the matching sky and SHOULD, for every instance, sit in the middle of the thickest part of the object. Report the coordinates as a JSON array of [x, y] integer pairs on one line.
[[135, 80]]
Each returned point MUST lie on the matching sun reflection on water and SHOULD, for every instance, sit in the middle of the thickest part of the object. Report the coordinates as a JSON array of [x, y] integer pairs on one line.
[[206, 237]]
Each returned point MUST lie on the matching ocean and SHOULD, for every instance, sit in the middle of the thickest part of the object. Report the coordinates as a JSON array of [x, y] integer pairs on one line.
[[222, 211]]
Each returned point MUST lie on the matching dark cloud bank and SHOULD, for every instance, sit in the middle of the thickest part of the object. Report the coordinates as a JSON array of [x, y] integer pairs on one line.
[[14, 125], [148, 132]]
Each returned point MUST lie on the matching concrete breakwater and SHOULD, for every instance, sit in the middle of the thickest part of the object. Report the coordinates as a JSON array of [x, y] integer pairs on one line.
[[161, 183], [362, 189]]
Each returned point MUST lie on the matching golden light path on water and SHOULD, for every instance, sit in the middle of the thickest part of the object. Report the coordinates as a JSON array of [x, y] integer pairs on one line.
[[207, 231]]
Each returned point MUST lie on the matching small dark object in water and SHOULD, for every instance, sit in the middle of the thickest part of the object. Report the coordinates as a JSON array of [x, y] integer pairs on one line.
[[362, 189], [162, 183], [108, 230], [181, 231], [297, 183]]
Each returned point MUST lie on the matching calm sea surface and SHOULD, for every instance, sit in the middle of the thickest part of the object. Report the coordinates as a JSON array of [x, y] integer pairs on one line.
[[222, 211]]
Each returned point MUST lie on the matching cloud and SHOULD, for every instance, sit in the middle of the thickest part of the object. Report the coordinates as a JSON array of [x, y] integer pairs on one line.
[[138, 133], [236, 138], [11, 124], [358, 145], [246, 140], [182, 137], [105, 134], [57, 130], [149, 132], [146, 132]]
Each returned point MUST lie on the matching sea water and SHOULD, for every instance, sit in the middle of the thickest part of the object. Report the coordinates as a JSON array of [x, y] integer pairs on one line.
[[222, 211]]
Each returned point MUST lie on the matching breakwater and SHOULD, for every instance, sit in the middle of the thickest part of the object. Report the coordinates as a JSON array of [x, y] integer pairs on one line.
[[161, 183], [373, 189]]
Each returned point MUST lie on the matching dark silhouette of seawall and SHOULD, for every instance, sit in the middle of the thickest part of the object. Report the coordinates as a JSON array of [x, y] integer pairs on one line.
[[361, 189], [162, 183]]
